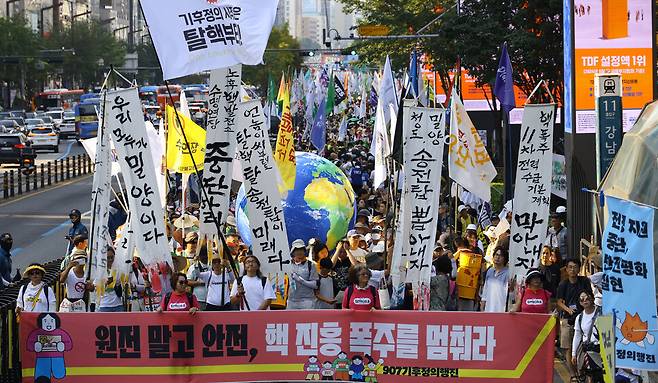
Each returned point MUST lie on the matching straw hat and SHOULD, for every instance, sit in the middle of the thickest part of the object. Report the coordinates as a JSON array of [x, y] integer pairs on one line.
[[186, 221]]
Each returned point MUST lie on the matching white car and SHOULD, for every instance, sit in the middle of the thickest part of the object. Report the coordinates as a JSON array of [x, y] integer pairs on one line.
[[67, 127], [57, 116], [43, 137]]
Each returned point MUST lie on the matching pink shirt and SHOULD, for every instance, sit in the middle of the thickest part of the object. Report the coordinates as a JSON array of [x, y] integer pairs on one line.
[[535, 302], [361, 299], [49, 340], [179, 302]]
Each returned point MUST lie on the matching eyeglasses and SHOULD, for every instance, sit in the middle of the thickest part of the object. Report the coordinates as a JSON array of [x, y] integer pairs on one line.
[[34, 272], [182, 282]]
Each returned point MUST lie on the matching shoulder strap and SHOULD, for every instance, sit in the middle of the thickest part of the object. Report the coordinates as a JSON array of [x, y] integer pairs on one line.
[[373, 291], [350, 291], [309, 268], [166, 300], [190, 299], [23, 288], [263, 281]]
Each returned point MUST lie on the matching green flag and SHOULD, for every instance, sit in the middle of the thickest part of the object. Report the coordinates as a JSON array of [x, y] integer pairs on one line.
[[271, 91], [331, 96]]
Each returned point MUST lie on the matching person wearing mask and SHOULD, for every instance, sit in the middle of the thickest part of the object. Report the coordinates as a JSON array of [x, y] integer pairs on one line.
[[252, 291], [568, 305], [112, 291], [496, 284], [76, 283], [556, 236], [360, 295], [179, 299], [303, 279], [585, 354], [77, 228], [376, 244], [441, 286], [35, 296], [6, 242], [533, 298], [198, 286], [218, 285]]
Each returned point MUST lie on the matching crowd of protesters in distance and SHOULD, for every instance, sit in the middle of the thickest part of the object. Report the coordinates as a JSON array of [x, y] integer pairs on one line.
[[470, 269]]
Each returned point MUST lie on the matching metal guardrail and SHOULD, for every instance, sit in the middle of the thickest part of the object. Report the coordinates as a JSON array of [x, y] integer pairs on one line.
[[10, 358], [17, 182]]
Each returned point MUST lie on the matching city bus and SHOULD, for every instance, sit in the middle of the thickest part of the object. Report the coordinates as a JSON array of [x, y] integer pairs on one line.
[[57, 98], [86, 117]]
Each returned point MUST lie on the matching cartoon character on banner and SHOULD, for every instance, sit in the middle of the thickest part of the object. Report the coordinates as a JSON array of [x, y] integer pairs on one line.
[[312, 368], [327, 370], [341, 367], [634, 330], [49, 342], [356, 369], [371, 369]]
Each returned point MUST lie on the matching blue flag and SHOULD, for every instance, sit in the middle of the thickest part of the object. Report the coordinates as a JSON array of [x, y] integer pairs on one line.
[[413, 73], [318, 131], [504, 87]]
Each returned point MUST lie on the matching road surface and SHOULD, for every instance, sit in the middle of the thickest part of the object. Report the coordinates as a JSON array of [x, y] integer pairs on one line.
[[68, 147], [39, 221]]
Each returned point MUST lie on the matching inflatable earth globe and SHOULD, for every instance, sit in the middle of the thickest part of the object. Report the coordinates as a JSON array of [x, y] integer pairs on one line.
[[320, 206]]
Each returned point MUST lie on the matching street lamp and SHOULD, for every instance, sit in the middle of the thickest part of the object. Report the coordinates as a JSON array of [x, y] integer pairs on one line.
[[9, 2]]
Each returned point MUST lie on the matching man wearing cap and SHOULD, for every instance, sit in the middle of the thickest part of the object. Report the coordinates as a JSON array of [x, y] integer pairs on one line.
[[303, 279], [6, 242], [77, 229], [556, 236], [353, 249]]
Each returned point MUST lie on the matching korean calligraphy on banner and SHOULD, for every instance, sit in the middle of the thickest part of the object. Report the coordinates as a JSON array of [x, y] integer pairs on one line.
[[268, 227], [128, 131], [100, 204], [532, 193], [223, 98], [469, 163], [196, 35], [628, 268], [266, 346], [423, 160]]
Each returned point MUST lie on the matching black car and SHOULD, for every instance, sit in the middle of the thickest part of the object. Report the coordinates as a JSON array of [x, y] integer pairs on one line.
[[14, 149]]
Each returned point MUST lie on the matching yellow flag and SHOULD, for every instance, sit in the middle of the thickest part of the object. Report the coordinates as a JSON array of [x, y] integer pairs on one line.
[[179, 158], [284, 153]]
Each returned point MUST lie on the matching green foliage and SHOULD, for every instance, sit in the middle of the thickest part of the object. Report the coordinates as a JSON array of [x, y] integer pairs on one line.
[[95, 48], [147, 58], [276, 62], [532, 29]]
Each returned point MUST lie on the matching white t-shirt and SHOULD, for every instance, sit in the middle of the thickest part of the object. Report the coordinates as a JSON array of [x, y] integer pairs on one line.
[[495, 290], [584, 322], [26, 301], [194, 274], [376, 278], [254, 292], [214, 296], [359, 254], [75, 287], [110, 297]]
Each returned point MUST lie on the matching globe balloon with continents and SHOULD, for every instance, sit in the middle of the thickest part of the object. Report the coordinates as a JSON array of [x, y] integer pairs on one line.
[[320, 206]]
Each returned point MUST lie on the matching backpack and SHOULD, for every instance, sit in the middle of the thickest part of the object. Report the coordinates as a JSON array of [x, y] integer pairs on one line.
[[263, 281], [451, 303], [350, 291], [45, 291], [190, 299]]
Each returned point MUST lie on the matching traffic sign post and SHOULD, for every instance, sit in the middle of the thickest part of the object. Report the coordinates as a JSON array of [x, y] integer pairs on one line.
[[609, 128]]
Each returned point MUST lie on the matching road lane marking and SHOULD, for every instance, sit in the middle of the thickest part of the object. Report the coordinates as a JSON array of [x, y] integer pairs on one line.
[[32, 194]]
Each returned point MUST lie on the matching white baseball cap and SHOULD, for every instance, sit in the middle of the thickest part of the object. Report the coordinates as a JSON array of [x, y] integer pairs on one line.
[[472, 226], [297, 244], [460, 208], [561, 209]]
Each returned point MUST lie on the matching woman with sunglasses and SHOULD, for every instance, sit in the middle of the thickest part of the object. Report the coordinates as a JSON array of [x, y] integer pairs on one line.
[[180, 299], [533, 298], [585, 354], [360, 295], [36, 296]]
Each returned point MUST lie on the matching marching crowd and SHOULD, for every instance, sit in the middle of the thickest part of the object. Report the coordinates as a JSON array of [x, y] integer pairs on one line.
[[469, 268]]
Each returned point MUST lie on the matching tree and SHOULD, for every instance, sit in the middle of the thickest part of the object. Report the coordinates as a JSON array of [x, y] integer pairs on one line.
[[21, 67], [276, 62], [147, 58], [95, 48]]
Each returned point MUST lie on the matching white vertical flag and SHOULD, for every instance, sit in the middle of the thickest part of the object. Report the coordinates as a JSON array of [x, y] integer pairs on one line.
[[223, 99], [125, 122], [382, 149], [532, 194], [268, 227], [469, 163], [387, 93]]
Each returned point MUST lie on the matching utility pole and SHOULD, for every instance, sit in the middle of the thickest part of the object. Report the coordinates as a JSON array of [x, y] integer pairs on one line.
[[131, 25]]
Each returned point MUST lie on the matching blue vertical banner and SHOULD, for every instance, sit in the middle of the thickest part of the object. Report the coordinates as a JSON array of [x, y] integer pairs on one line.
[[628, 282]]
